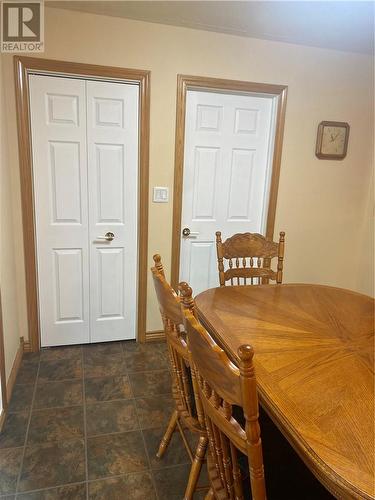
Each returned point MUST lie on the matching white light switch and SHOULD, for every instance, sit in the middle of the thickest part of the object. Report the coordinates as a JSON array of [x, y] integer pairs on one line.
[[160, 195]]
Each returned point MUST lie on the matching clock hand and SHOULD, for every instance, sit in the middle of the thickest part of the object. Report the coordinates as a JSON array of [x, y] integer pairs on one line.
[[334, 138]]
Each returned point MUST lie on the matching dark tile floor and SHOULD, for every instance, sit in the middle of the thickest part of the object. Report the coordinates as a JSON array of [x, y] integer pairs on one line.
[[85, 423]]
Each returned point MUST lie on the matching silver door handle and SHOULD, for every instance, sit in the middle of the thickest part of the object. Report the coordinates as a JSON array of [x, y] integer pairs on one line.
[[189, 234], [108, 236]]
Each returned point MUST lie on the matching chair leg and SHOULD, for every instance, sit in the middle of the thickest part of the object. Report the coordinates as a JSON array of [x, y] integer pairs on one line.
[[196, 466], [168, 435], [210, 495]]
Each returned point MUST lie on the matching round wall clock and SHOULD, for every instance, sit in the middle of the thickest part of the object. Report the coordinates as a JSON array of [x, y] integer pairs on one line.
[[332, 140]]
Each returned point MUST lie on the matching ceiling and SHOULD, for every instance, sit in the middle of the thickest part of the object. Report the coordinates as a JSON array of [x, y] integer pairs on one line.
[[340, 25]]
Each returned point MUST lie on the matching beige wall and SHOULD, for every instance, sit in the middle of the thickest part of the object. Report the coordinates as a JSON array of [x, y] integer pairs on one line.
[[324, 206], [7, 253]]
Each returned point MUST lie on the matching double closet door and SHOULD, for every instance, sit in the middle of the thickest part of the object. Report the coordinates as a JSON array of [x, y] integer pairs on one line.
[[85, 174]]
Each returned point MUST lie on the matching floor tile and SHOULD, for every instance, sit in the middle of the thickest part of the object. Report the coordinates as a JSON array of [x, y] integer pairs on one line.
[[21, 397], [31, 357], [10, 462], [176, 452], [163, 348], [150, 383], [162, 345], [146, 357], [69, 492], [27, 372], [134, 346], [60, 369], [55, 425], [53, 464], [171, 482], [107, 388], [51, 394], [14, 430], [131, 346], [137, 486], [63, 352], [154, 412], [103, 349], [116, 454], [97, 365], [111, 416]]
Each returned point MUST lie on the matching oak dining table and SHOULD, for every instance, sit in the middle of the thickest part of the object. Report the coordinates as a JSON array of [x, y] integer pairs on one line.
[[314, 365]]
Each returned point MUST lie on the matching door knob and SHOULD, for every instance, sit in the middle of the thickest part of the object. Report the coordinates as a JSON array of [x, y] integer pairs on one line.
[[187, 233], [108, 236]]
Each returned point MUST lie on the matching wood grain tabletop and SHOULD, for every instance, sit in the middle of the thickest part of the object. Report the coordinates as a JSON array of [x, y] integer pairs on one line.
[[314, 362]]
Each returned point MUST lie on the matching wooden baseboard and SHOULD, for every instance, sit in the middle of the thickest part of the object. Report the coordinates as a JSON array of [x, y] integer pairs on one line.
[[14, 371], [2, 418], [152, 336], [12, 380], [27, 346], [155, 335]]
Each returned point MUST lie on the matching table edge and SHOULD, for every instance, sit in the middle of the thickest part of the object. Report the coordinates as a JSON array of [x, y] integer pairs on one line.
[[276, 285]]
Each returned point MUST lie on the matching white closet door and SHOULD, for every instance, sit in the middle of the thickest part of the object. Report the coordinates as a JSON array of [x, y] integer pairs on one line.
[[58, 118], [112, 139], [228, 153]]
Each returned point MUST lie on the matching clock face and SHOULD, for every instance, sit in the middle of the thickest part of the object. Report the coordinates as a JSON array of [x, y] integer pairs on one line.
[[333, 140]]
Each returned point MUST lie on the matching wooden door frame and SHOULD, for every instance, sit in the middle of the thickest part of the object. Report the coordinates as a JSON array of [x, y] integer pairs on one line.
[[187, 82], [23, 66], [3, 386]]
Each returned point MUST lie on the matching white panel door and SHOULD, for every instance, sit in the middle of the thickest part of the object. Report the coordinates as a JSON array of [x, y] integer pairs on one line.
[[58, 117], [112, 138], [85, 169], [227, 167]]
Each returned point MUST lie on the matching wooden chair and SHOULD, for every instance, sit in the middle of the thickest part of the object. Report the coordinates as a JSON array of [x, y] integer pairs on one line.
[[223, 390], [185, 412], [249, 259]]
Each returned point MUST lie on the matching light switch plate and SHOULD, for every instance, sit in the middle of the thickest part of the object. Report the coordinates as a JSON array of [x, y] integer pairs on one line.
[[160, 194]]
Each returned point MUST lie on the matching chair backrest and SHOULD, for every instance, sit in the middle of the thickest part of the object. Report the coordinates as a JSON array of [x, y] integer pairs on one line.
[[249, 258], [222, 387], [170, 308], [169, 302]]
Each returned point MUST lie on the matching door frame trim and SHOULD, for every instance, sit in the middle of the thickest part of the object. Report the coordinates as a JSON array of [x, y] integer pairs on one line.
[[187, 82], [23, 66], [3, 384]]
